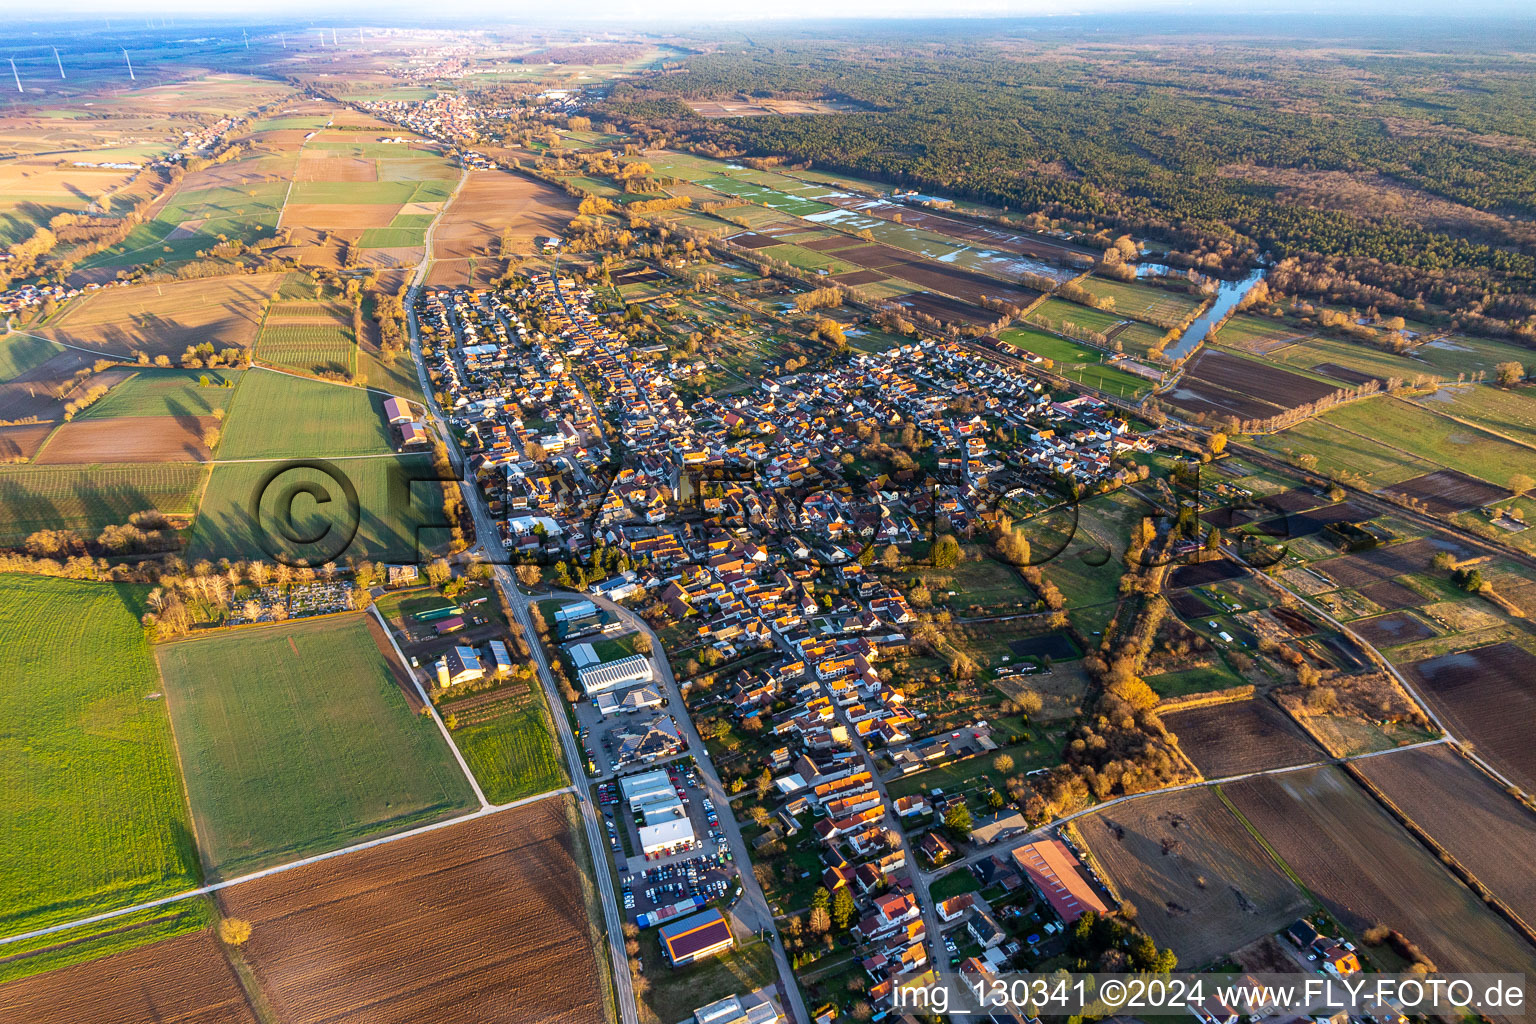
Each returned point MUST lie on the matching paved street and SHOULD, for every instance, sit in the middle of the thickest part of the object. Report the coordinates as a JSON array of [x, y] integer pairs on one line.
[[485, 531], [753, 911]]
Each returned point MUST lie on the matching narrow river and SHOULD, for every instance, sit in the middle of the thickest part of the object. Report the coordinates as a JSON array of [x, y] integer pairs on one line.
[[1228, 294]]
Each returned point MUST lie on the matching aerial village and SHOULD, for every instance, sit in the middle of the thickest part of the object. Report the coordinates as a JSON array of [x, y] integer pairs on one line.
[[735, 523]]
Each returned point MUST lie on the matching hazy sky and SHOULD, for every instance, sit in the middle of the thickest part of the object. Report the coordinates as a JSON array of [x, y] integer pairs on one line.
[[715, 11]]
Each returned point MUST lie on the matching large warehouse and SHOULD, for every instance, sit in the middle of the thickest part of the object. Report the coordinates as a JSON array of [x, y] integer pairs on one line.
[[653, 797], [611, 675]]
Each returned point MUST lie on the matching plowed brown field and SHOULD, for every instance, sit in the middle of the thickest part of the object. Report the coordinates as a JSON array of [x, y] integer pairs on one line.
[[339, 215], [1366, 869], [1232, 739], [1203, 885], [493, 203], [167, 317], [184, 980], [127, 439], [1487, 830], [481, 922]]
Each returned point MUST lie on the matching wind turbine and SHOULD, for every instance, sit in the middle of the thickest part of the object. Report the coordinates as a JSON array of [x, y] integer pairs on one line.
[[322, 36], [246, 38], [283, 38], [60, 60], [333, 37], [17, 75], [129, 59]]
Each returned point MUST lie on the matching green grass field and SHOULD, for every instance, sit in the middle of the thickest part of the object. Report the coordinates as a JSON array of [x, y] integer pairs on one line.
[[276, 416], [22, 352], [1109, 380], [1134, 299], [296, 738], [393, 237], [94, 816], [300, 122], [1245, 328], [764, 196], [1049, 346], [157, 392], [1312, 352], [1511, 412], [84, 943], [1080, 363], [240, 213], [418, 166], [1416, 429], [350, 193], [1460, 354], [1137, 338], [512, 754], [386, 522], [308, 348], [1059, 311], [89, 498], [1338, 454]]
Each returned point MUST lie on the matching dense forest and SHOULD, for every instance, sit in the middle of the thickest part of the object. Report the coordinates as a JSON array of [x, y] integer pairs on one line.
[[1411, 175]]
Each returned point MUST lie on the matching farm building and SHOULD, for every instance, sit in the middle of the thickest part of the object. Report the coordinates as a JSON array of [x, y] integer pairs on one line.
[[396, 411], [501, 661], [459, 665], [413, 435], [1057, 874], [611, 675], [695, 937]]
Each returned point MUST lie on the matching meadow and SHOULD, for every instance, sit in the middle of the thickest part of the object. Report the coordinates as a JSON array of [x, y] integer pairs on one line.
[[349, 193], [164, 318], [296, 738], [1387, 440], [512, 751], [1460, 354], [89, 498], [192, 220], [158, 392], [387, 523], [1510, 412], [1317, 351], [1142, 300], [1246, 329], [94, 817], [22, 352], [275, 416], [1060, 311]]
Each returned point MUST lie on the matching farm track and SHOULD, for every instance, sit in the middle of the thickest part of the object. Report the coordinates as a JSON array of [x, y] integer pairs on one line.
[[628, 1010]]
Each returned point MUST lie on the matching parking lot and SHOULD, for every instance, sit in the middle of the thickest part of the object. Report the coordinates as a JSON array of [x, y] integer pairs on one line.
[[597, 730], [706, 870]]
